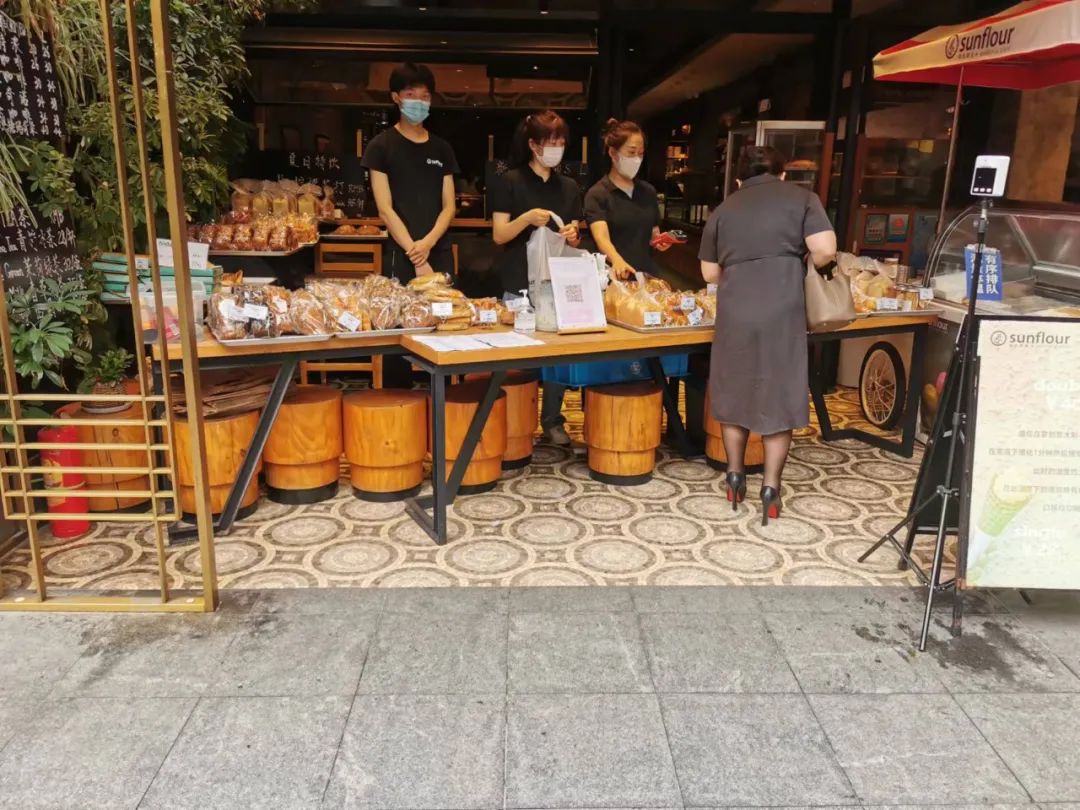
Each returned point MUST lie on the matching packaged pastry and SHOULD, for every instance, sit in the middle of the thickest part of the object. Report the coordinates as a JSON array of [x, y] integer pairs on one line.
[[232, 278], [261, 202], [307, 316], [615, 293], [677, 308], [485, 312], [326, 204], [707, 304], [869, 288], [307, 201], [223, 238], [641, 309], [243, 238], [279, 237], [416, 314], [260, 234], [253, 301], [385, 310], [429, 280], [277, 301], [344, 303], [304, 228], [280, 205], [226, 317], [240, 198]]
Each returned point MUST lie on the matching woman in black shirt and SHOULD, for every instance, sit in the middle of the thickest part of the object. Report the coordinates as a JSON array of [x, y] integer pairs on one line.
[[523, 200], [622, 210]]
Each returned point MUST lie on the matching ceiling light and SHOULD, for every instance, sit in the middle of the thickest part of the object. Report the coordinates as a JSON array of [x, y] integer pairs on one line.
[[544, 6], [442, 41]]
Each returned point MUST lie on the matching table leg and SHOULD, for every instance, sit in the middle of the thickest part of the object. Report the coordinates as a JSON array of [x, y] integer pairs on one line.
[[817, 393], [911, 406], [443, 489], [676, 429], [254, 452]]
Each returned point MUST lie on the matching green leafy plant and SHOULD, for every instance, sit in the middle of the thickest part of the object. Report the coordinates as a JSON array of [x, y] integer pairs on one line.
[[105, 374], [50, 327]]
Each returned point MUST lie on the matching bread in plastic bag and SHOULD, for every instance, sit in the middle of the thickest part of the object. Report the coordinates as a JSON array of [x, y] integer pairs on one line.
[[307, 316], [225, 316]]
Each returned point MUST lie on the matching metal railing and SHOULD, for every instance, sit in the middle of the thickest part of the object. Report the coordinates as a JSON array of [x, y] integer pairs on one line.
[[22, 497]]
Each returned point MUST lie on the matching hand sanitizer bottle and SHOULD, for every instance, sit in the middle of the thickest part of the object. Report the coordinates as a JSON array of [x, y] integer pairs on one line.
[[525, 317]]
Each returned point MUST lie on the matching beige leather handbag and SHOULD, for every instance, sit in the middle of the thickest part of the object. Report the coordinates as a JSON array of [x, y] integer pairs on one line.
[[829, 304]]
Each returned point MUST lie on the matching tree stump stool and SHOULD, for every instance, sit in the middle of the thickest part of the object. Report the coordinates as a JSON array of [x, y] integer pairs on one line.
[[303, 450], [485, 466], [227, 442], [522, 391], [716, 456], [622, 431], [385, 442]]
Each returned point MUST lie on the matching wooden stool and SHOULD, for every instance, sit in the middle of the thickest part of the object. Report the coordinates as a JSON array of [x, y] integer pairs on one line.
[[100, 501], [716, 456], [227, 442], [622, 430], [303, 451], [522, 391], [385, 442], [485, 466]]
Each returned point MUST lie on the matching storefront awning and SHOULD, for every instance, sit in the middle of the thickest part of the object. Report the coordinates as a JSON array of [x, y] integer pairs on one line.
[[1030, 45]]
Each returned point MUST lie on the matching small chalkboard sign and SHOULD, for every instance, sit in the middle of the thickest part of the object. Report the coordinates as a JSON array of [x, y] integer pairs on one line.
[[343, 173], [30, 101], [30, 253]]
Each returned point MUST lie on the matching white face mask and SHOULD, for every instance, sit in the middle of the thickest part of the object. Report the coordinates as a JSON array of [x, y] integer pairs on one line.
[[551, 156], [628, 167]]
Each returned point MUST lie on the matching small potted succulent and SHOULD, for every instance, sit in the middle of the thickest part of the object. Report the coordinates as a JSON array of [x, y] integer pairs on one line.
[[106, 374]]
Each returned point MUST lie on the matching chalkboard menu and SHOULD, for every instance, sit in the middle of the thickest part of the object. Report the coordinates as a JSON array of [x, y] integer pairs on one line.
[[343, 173], [30, 253], [29, 90]]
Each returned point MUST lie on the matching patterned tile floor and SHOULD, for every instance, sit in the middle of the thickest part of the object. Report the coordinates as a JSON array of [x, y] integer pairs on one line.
[[550, 525]]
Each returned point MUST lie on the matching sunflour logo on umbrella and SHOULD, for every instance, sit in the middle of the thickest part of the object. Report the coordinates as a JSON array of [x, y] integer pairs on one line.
[[967, 46]]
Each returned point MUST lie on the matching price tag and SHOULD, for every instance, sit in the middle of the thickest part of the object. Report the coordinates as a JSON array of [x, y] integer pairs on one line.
[[888, 305], [688, 303], [442, 309], [652, 318], [695, 317], [926, 294], [349, 321], [517, 304], [142, 263], [489, 316], [198, 253], [256, 311], [711, 289], [233, 313]]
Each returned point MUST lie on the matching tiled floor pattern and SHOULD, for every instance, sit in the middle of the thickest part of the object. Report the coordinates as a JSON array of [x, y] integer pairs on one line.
[[549, 525], [694, 697]]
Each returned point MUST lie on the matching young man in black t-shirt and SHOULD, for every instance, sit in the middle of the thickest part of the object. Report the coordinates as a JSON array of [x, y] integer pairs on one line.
[[412, 178]]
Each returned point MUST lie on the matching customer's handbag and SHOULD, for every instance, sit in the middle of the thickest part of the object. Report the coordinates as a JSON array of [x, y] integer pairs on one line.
[[829, 304]]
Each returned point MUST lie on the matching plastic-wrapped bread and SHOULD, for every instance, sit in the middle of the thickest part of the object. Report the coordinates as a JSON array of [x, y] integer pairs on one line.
[[243, 237], [641, 309], [707, 304], [278, 301], [615, 293], [307, 316], [416, 314], [225, 316], [421, 283]]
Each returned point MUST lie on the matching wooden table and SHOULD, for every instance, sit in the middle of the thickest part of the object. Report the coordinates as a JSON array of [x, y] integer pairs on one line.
[[287, 356], [616, 343]]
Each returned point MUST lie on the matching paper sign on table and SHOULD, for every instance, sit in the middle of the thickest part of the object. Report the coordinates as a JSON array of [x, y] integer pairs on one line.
[[579, 304], [508, 340], [198, 254]]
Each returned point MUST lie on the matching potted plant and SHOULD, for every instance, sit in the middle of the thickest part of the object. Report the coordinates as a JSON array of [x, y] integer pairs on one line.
[[105, 374]]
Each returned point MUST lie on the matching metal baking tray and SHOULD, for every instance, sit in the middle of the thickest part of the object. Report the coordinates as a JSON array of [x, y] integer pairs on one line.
[[416, 330], [274, 341], [652, 330], [902, 313], [265, 254], [346, 237]]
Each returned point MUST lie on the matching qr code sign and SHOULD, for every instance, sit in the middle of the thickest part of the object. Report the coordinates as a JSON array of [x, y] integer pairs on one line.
[[575, 294]]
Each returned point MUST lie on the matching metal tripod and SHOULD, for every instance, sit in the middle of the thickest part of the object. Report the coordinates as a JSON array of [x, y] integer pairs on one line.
[[954, 414]]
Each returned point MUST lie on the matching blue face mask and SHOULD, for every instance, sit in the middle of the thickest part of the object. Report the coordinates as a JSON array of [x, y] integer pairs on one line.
[[415, 110]]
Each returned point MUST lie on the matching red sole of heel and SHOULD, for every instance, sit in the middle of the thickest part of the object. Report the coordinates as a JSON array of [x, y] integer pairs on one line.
[[729, 497], [774, 512]]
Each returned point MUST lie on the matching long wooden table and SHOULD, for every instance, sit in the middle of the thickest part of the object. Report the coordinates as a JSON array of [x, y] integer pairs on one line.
[[616, 343]]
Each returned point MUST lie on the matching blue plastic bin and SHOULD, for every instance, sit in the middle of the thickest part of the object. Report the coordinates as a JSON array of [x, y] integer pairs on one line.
[[577, 375]]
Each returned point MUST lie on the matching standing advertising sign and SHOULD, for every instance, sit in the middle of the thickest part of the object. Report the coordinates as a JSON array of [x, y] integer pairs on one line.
[[1023, 511]]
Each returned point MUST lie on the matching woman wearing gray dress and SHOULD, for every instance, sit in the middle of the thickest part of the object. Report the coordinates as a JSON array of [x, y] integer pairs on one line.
[[754, 248]]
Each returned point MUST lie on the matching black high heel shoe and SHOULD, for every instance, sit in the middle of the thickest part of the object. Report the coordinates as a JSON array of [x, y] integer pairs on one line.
[[770, 504], [736, 489]]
